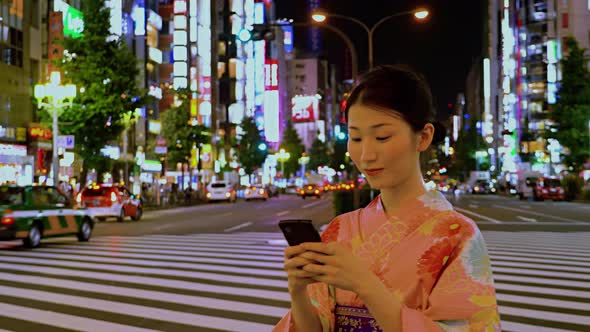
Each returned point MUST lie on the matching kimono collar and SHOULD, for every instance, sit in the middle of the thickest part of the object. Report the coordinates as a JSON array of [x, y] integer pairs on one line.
[[414, 210]]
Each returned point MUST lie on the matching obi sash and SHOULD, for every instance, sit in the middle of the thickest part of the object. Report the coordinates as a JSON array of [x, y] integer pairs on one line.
[[354, 319]]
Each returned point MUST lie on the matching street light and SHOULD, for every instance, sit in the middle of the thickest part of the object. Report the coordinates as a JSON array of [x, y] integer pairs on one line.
[[283, 156], [321, 16], [303, 160], [54, 97]]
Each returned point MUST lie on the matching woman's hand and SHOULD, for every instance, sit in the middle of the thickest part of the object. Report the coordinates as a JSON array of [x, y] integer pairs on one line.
[[298, 278], [336, 265]]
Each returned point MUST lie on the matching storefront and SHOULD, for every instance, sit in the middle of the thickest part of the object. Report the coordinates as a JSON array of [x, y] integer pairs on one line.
[[16, 167]]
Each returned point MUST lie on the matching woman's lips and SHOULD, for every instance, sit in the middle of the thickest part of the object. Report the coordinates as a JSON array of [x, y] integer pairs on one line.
[[374, 171]]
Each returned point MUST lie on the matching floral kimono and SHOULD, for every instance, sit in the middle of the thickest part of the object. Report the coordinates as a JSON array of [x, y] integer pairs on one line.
[[431, 258]]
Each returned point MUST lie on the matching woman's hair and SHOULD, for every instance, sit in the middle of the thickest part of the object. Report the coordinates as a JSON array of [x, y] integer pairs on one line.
[[401, 90]]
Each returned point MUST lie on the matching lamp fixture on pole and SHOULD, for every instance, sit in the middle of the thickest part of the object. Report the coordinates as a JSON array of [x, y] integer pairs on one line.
[[320, 16], [54, 97]]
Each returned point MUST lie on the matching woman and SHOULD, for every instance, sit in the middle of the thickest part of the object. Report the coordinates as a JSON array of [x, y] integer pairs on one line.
[[407, 261]]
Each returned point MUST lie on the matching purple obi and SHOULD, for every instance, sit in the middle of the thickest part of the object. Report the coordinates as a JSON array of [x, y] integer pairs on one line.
[[354, 319]]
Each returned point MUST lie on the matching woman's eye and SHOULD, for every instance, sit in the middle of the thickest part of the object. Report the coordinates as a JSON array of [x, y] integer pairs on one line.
[[355, 139], [383, 138]]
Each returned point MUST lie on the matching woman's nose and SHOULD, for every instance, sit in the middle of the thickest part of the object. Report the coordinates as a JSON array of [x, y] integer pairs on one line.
[[368, 153]]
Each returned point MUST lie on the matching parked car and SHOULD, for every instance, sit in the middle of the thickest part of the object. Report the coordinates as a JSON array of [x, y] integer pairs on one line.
[[220, 191], [548, 188], [483, 187], [310, 190], [31, 213], [110, 201], [255, 192]]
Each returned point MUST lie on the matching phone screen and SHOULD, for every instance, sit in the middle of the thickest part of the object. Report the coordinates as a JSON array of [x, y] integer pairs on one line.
[[297, 231]]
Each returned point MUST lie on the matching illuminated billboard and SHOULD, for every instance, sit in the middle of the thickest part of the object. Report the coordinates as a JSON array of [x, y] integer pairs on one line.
[[304, 108], [73, 19]]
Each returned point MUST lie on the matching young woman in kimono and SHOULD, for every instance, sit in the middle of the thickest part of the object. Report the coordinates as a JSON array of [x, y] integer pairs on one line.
[[406, 262]]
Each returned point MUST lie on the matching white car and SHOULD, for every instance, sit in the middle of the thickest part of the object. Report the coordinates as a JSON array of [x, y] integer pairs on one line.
[[255, 192], [220, 191]]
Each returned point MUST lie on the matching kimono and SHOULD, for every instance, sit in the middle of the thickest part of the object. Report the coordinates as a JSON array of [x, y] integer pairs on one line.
[[431, 258]]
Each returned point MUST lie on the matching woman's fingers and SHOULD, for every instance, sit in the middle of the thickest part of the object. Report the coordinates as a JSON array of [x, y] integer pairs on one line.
[[296, 263], [293, 251]]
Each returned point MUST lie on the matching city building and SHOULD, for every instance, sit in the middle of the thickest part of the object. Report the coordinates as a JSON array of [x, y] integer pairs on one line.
[[20, 47], [524, 50], [308, 81]]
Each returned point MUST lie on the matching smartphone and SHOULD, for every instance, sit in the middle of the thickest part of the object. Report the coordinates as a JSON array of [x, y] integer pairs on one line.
[[297, 231]]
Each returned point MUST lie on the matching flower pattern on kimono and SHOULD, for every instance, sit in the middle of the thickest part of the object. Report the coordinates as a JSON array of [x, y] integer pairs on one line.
[[434, 260], [476, 260], [330, 234], [434, 200], [450, 224]]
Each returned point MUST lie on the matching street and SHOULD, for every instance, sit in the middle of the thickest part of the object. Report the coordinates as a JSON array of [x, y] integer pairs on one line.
[[218, 267]]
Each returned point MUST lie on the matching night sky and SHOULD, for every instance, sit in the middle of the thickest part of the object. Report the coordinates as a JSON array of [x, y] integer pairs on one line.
[[443, 47]]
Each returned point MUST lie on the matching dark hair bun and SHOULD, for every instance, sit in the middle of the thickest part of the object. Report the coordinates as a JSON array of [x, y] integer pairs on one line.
[[440, 132]]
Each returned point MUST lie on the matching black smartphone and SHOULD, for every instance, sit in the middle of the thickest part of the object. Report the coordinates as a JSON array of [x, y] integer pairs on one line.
[[297, 231]]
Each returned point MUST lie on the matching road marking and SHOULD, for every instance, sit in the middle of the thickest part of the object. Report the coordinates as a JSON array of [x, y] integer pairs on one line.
[[152, 281], [478, 215], [526, 219], [135, 310], [535, 213], [282, 213], [512, 326], [63, 320], [246, 224], [525, 206], [311, 204], [227, 214], [164, 227], [220, 273], [473, 206], [201, 301]]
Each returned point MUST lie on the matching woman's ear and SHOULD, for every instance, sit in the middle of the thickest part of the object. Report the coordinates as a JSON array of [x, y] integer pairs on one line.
[[425, 137]]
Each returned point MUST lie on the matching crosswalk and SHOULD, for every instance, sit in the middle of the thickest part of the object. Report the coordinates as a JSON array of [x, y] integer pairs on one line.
[[235, 282]]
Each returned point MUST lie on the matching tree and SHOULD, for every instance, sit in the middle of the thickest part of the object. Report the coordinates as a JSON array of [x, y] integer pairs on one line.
[[572, 111], [179, 134], [319, 155], [467, 144], [293, 145], [252, 149], [104, 72]]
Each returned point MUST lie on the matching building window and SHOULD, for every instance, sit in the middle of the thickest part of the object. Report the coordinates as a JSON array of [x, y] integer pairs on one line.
[[565, 20], [11, 37]]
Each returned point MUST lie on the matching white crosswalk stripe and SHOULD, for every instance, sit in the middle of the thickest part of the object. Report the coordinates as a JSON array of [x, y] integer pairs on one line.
[[235, 282], [542, 280], [203, 282]]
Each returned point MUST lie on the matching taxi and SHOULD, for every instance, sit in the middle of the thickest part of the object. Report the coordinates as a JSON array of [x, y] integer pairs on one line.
[[34, 212]]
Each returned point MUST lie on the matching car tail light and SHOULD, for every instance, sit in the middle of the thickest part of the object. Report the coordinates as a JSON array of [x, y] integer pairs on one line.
[[7, 220], [317, 191], [113, 197]]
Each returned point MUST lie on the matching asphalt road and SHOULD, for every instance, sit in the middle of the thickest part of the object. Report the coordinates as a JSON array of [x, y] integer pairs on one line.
[[218, 267], [222, 217]]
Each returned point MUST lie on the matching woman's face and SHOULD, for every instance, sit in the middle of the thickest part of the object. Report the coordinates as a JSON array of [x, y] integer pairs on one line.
[[382, 145]]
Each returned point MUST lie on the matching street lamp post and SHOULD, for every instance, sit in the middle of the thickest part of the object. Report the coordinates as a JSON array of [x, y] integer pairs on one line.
[[55, 96], [283, 156], [320, 17]]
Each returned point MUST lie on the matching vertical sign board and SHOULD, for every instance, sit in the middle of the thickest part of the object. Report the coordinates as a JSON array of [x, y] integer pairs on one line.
[[56, 33], [271, 100]]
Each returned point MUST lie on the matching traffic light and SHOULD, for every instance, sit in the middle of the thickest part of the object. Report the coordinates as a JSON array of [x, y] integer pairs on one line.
[[258, 32]]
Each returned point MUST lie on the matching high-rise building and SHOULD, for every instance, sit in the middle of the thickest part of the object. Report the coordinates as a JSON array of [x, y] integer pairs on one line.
[[20, 58], [527, 52]]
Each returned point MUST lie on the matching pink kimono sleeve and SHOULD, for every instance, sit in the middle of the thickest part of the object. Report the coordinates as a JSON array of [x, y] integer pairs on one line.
[[457, 287]]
